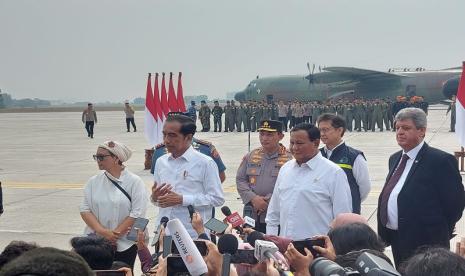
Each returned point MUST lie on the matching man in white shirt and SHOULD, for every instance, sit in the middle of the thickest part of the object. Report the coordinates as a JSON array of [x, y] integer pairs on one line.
[[184, 176], [310, 190], [332, 128]]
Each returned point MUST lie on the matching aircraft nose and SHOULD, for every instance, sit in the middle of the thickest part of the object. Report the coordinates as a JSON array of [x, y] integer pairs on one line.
[[240, 96], [450, 87]]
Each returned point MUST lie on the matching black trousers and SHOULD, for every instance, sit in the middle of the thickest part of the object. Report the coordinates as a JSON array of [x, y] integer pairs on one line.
[[127, 256], [90, 129], [284, 121], [130, 121], [399, 256]]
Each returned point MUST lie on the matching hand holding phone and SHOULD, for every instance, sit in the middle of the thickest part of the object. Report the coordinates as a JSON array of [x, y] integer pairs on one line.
[[139, 224], [201, 246], [216, 225], [308, 243]]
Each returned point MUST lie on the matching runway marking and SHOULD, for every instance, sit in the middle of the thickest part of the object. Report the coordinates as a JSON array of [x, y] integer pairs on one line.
[[42, 186]]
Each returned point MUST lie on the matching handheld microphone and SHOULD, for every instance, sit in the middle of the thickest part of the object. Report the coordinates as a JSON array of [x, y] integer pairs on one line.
[[156, 238], [191, 210], [249, 222], [187, 249], [369, 264], [233, 218], [227, 245], [247, 214], [254, 236], [264, 250]]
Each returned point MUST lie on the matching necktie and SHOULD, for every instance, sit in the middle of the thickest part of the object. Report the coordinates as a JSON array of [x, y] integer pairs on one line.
[[389, 187]]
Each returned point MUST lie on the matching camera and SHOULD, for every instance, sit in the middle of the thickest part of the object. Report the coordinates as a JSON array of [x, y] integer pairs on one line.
[[366, 264]]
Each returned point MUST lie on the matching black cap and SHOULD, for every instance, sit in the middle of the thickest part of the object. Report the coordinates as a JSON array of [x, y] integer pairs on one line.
[[202, 101], [271, 125]]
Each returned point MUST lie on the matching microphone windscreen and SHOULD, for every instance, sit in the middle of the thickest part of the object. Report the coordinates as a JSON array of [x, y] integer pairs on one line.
[[186, 247], [226, 211], [255, 235], [163, 221], [228, 244]]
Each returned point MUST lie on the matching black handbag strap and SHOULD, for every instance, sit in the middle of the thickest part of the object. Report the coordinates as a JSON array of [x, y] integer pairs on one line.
[[119, 188]]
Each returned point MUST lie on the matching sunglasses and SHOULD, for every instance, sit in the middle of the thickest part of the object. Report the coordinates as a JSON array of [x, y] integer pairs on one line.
[[100, 157]]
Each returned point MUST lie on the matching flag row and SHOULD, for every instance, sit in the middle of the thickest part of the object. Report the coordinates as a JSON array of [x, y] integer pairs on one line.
[[158, 103]]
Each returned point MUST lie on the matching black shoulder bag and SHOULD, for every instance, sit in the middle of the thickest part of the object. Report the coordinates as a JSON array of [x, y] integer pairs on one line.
[[119, 188]]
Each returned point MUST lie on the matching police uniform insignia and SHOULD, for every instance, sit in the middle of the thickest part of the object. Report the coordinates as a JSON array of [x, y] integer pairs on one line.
[[159, 146], [203, 142], [252, 180], [344, 160]]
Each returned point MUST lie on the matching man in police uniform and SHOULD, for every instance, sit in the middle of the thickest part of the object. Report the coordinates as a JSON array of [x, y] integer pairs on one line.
[[202, 146], [256, 176], [352, 161]]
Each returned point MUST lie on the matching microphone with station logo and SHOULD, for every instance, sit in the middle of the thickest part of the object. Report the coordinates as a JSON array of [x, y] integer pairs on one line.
[[233, 218], [187, 249]]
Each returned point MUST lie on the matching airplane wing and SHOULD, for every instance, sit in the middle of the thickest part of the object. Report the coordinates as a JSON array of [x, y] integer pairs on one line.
[[364, 74]]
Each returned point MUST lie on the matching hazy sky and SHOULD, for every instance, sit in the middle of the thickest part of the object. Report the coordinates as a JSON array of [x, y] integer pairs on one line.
[[102, 50]]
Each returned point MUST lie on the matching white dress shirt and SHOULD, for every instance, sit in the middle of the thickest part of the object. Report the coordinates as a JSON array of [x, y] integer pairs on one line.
[[194, 176], [307, 198], [360, 172], [392, 212], [110, 206]]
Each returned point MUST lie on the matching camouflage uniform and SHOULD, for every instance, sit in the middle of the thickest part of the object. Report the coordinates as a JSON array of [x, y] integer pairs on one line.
[[228, 117], [217, 114], [204, 115]]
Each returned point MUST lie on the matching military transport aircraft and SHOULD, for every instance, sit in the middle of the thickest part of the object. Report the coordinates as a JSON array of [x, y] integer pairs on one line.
[[348, 82]]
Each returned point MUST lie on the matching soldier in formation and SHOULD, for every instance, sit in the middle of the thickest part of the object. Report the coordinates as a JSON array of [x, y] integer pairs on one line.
[[204, 115], [359, 114], [217, 114]]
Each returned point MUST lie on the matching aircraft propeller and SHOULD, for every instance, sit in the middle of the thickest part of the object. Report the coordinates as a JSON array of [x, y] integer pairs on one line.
[[310, 74]]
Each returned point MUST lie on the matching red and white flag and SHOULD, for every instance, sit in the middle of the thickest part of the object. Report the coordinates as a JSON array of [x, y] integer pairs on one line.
[[150, 127], [159, 111], [460, 109], [180, 96], [172, 101], [163, 97]]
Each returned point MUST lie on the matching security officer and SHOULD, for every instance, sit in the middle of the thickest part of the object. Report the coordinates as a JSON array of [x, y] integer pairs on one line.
[[352, 161], [228, 117], [202, 146], [452, 109], [256, 176], [204, 115], [192, 111], [217, 114]]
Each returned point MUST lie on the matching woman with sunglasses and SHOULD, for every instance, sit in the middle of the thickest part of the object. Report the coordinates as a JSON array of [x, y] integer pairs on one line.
[[113, 199]]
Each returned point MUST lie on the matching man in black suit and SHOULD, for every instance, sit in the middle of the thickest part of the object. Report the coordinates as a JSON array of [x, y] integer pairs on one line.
[[423, 196]]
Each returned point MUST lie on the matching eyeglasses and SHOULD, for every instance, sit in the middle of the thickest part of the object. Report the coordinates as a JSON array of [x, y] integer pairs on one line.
[[100, 157], [325, 130]]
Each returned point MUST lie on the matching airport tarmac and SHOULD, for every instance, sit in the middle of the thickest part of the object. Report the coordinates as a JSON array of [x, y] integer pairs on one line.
[[46, 159]]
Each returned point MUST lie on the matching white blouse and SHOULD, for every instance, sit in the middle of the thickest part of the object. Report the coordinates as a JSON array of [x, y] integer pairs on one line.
[[110, 206]]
